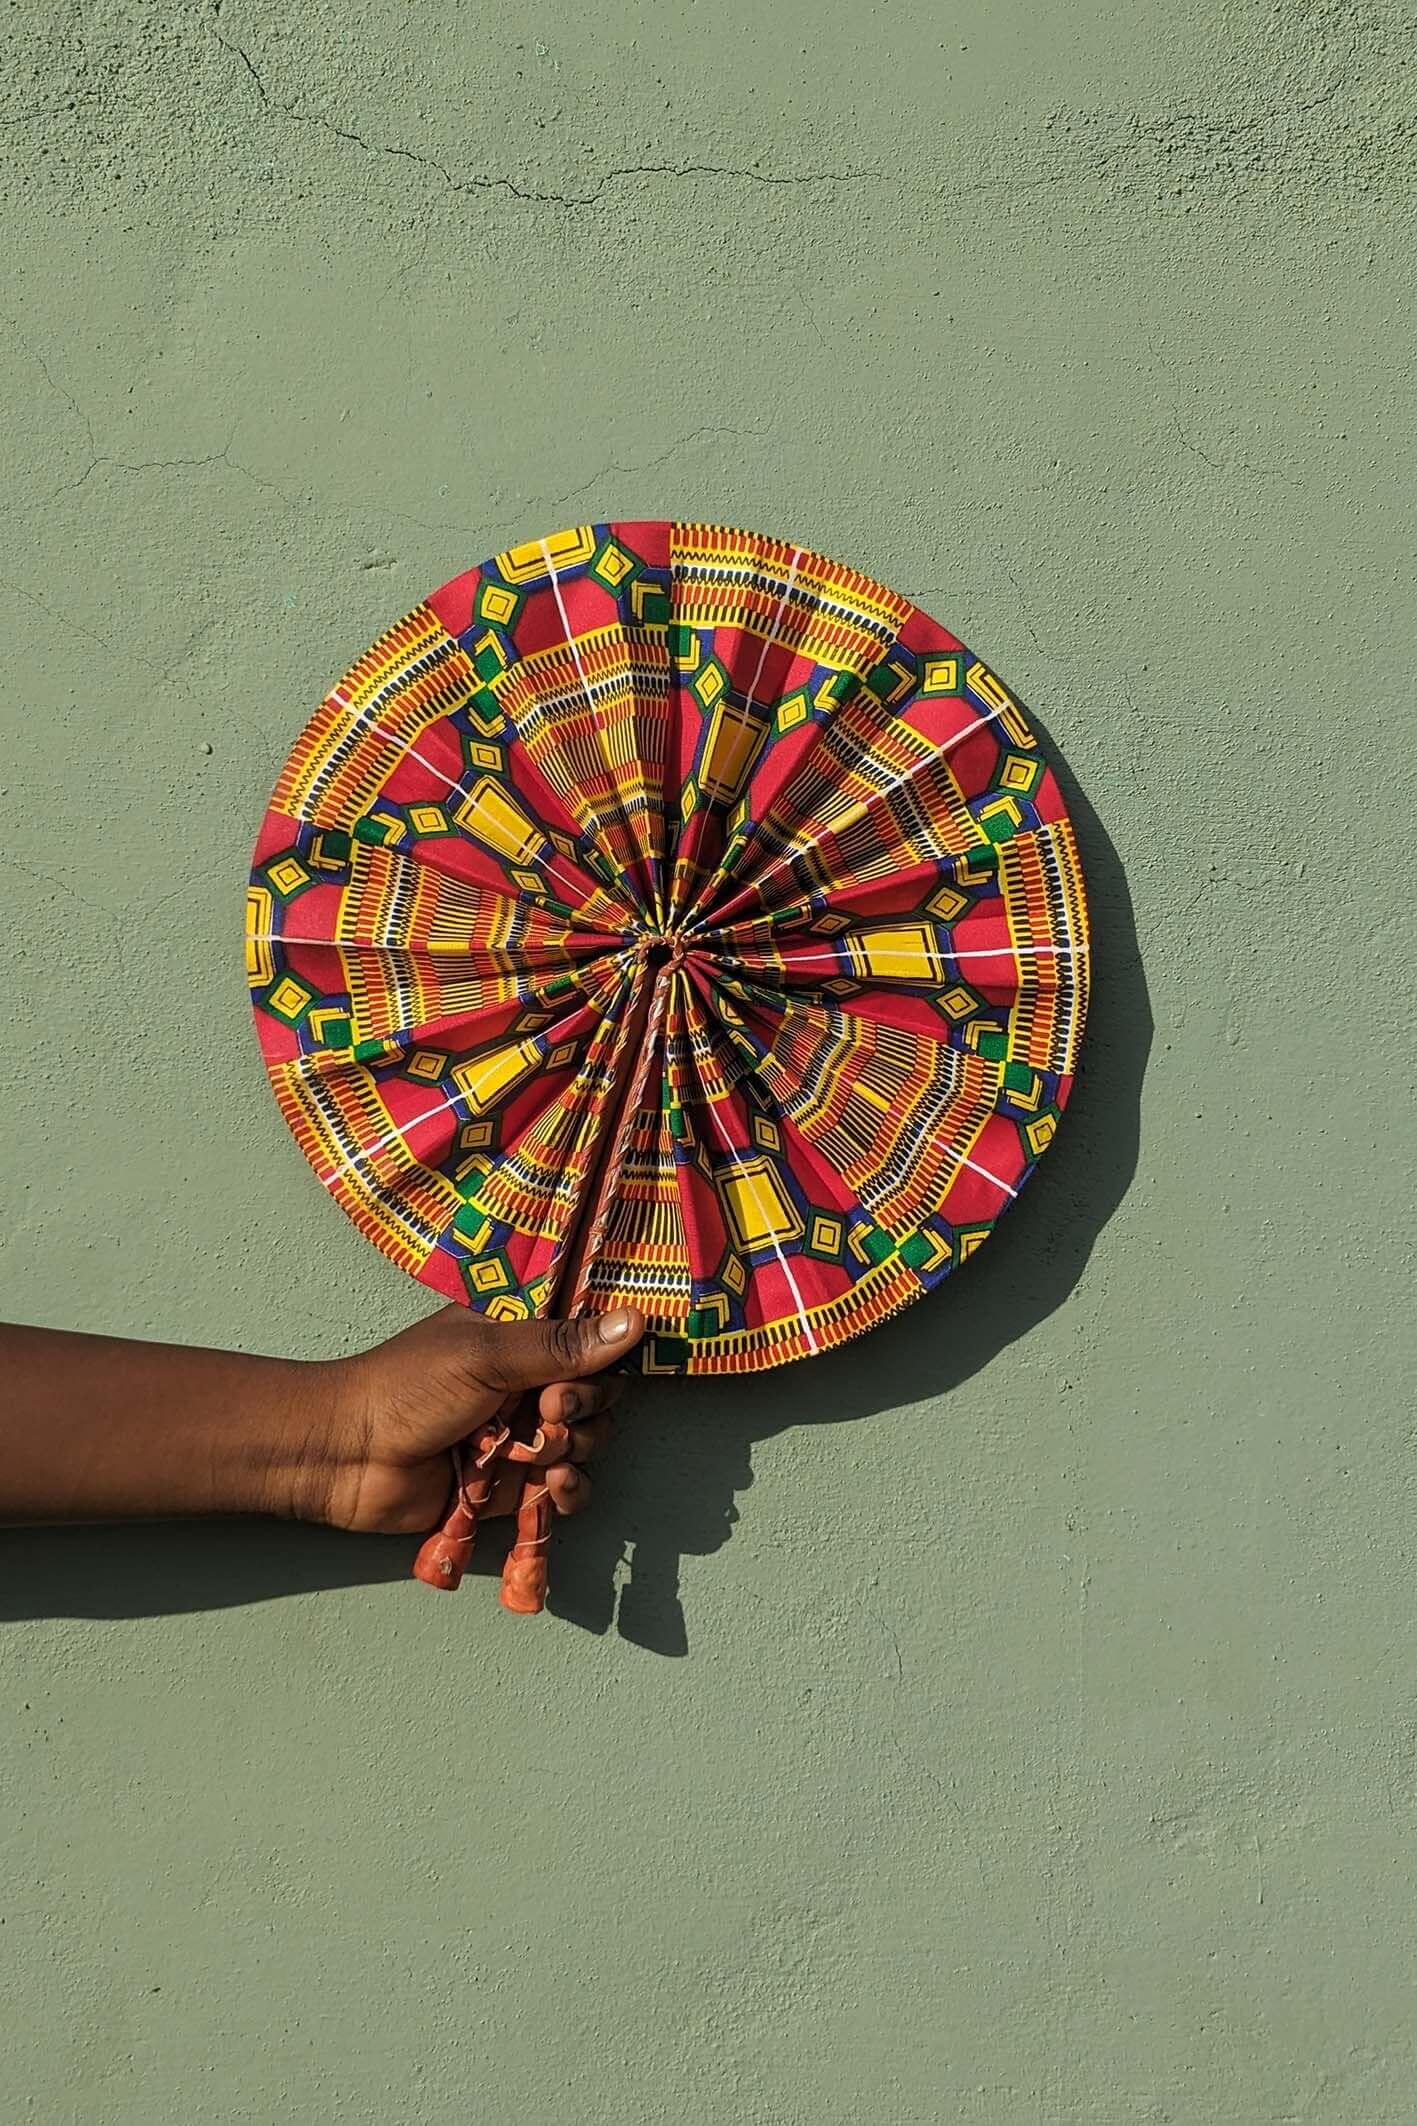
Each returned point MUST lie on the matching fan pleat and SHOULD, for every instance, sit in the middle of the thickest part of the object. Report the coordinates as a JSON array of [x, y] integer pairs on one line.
[[666, 914]]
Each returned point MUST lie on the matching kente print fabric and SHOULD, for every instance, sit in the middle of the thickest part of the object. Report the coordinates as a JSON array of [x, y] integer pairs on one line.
[[665, 914]]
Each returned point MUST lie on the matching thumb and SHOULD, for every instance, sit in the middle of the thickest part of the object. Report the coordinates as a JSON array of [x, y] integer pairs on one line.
[[528, 1354]]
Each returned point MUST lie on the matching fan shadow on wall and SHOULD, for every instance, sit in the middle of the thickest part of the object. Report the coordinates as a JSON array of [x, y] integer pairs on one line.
[[672, 1488]]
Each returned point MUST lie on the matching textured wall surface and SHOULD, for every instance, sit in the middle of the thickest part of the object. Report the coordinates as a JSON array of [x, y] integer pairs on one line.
[[1011, 1718]]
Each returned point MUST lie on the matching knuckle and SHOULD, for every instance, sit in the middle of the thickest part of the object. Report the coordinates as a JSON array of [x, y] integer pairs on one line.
[[486, 1358], [563, 1340]]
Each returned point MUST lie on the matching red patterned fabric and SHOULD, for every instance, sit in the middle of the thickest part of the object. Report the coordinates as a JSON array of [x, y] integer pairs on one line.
[[665, 914]]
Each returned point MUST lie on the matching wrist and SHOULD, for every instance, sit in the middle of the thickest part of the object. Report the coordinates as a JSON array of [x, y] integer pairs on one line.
[[293, 1474], [319, 1444]]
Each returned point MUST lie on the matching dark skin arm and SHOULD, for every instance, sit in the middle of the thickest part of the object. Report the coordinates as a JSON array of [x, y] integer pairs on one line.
[[94, 1428]]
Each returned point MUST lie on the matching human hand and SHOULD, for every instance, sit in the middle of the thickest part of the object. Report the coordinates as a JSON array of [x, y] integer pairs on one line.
[[376, 1455]]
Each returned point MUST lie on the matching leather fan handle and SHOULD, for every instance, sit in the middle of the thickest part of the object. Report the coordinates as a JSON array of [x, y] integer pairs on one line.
[[444, 1557], [524, 1573]]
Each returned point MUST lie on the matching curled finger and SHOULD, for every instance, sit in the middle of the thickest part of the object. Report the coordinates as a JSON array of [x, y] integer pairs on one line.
[[571, 1401], [569, 1488]]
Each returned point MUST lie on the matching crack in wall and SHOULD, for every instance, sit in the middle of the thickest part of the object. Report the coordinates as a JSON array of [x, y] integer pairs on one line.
[[99, 461], [1027, 617], [1234, 463], [484, 532], [68, 624], [59, 390], [478, 183], [8, 125], [98, 458], [647, 465], [215, 457]]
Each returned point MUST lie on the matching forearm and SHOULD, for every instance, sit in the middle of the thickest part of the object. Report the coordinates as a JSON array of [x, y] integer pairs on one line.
[[94, 1428]]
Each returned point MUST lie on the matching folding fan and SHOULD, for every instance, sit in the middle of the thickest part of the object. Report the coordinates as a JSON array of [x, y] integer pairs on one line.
[[664, 914]]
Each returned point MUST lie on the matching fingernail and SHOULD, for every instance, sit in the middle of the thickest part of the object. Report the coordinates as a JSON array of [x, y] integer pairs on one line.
[[614, 1328]]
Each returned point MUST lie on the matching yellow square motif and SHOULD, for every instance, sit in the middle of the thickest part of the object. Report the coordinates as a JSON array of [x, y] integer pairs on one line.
[[792, 711], [709, 685], [941, 676], [507, 1307], [498, 603], [766, 1133], [897, 952], [733, 741], [757, 1207], [428, 819], [485, 756], [947, 904], [288, 874], [1017, 773], [1040, 1134], [958, 1003], [473, 1136], [827, 1234], [427, 1065], [288, 998], [614, 565], [491, 816], [489, 1276], [734, 1276]]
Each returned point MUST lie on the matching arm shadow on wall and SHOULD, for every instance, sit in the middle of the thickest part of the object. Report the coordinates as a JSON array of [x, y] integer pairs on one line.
[[670, 1488]]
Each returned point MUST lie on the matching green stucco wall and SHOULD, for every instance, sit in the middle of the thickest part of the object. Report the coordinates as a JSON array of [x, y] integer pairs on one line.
[[1011, 1719]]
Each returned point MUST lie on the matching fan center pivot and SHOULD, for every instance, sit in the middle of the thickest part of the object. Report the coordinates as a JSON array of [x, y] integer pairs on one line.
[[665, 948]]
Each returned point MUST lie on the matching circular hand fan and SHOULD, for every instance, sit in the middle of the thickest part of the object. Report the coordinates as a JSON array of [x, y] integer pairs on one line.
[[663, 914]]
